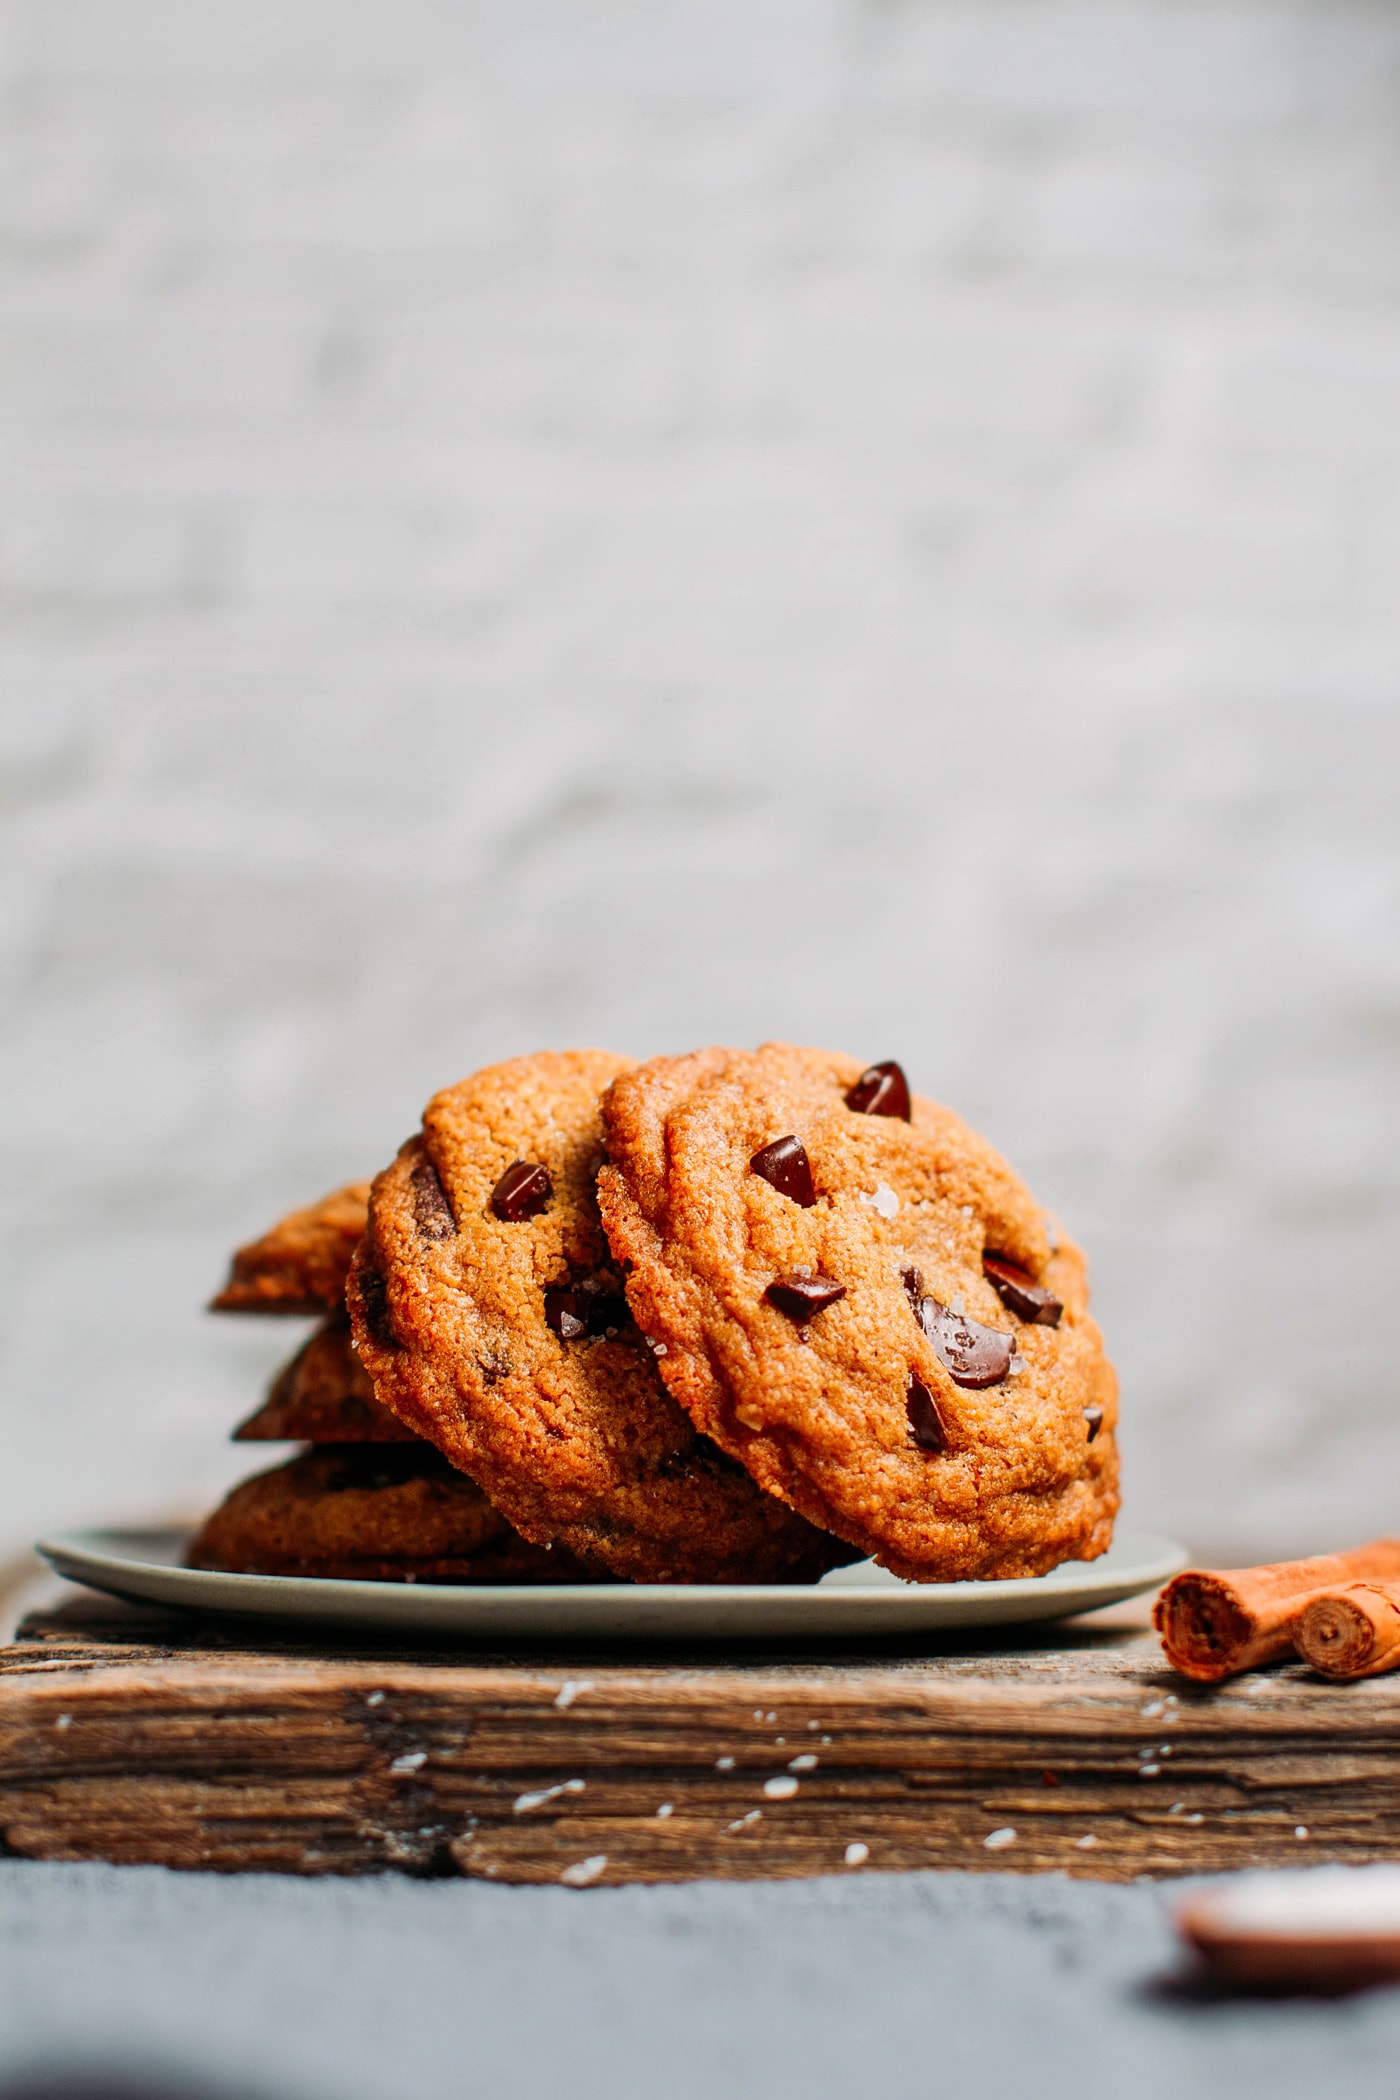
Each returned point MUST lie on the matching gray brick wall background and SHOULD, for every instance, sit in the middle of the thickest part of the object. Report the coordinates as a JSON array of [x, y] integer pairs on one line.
[[874, 521]]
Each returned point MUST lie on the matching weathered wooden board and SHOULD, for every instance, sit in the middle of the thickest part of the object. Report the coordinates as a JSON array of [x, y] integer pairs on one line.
[[131, 1735]]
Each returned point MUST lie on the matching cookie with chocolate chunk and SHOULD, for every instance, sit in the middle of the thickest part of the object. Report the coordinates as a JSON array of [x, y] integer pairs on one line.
[[323, 1396], [854, 1296], [301, 1264], [491, 1317], [393, 1515]]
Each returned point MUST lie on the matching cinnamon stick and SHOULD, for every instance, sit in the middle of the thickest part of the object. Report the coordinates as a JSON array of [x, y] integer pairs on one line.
[[1351, 1632], [1217, 1621]]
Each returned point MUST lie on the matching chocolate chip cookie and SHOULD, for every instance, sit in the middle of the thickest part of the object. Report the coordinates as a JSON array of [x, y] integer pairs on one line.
[[323, 1396], [393, 1515], [300, 1266], [855, 1297], [491, 1317]]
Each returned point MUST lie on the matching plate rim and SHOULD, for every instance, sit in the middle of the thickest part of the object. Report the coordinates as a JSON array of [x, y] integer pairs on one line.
[[86, 1554]]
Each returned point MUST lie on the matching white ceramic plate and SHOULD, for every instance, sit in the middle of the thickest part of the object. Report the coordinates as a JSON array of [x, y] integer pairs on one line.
[[850, 1603]]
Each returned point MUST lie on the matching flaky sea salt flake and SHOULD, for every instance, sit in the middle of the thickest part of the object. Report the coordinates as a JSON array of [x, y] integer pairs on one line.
[[524, 1802], [583, 1871]]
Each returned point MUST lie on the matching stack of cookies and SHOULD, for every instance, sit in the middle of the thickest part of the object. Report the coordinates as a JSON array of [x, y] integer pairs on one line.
[[738, 1316], [369, 1498]]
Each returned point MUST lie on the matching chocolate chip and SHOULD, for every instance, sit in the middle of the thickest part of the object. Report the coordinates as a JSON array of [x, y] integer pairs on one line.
[[1020, 1293], [575, 1313], [522, 1191], [881, 1090], [374, 1297], [432, 1213], [802, 1297], [974, 1355], [913, 1287], [567, 1313], [784, 1165], [606, 1312], [1094, 1417], [926, 1424]]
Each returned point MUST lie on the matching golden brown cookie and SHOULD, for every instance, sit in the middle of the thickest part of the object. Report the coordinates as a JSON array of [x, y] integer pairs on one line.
[[491, 1317], [863, 1309], [376, 1516], [323, 1396], [300, 1266]]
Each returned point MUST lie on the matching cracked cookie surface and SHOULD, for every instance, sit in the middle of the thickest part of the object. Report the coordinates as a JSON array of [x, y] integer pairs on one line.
[[395, 1515], [852, 1351], [301, 1263], [490, 1315], [323, 1396]]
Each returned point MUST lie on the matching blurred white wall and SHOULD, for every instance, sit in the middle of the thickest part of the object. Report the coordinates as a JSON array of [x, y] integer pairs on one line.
[[874, 522]]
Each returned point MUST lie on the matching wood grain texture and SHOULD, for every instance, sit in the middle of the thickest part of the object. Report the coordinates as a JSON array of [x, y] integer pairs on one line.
[[129, 1735]]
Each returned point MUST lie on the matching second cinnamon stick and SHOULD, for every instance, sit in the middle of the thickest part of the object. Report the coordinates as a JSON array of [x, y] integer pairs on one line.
[[1351, 1632]]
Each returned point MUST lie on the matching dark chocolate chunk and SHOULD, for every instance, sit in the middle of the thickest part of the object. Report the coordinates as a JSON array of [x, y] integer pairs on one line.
[[573, 1314], [974, 1355], [784, 1165], [1094, 1417], [881, 1090], [803, 1297], [913, 1282], [567, 1313], [522, 1192], [432, 1213], [374, 1296], [926, 1424], [606, 1312], [1020, 1293]]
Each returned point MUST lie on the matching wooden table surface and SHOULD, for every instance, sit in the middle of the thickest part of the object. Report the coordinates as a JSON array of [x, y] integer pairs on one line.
[[132, 1734]]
